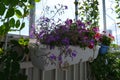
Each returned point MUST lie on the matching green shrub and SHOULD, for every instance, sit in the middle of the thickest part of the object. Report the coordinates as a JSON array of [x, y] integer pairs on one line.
[[107, 67]]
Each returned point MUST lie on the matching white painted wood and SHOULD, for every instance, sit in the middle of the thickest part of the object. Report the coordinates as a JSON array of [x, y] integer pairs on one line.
[[66, 75], [36, 73], [43, 75], [85, 71], [25, 65], [56, 74], [74, 72], [40, 56], [81, 71]]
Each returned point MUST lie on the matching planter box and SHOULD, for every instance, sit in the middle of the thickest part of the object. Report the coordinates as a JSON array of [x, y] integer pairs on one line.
[[47, 59]]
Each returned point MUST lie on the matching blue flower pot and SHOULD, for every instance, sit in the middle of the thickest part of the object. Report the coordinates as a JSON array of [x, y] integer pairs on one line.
[[103, 49]]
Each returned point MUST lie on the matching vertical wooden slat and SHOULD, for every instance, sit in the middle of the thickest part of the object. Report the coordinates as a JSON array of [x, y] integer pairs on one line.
[[81, 71], [36, 74], [75, 72], [85, 71], [43, 75], [29, 73], [56, 74], [66, 75]]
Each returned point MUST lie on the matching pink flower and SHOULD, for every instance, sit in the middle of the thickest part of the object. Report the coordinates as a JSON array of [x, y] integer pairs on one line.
[[97, 36]]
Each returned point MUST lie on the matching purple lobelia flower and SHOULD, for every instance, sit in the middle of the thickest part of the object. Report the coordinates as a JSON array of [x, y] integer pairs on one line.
[[74, 53], [66, 7], [32, 31], [41, 34], [68, 22], [88, 23], [65, 41], [80, 24], [49, 39], [60, 58], [53, 57]]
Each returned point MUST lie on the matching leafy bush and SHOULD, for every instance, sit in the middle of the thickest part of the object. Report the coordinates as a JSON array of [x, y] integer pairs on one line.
[[10, 59], [107, 67]]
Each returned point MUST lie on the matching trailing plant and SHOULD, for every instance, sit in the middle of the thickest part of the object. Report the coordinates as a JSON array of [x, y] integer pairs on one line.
[[106, 67], [88, 11]]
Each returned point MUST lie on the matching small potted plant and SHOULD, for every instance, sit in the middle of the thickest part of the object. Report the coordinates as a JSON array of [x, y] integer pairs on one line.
[[105, 41]]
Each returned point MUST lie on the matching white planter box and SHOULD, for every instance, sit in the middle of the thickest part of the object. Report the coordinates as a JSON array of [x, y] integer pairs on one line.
[[40, 56]]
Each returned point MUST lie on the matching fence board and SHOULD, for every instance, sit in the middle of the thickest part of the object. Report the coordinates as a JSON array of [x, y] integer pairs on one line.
[[74, 72]]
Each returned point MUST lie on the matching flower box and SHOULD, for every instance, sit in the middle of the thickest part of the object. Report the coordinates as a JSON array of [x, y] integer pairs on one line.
[[47, 59]]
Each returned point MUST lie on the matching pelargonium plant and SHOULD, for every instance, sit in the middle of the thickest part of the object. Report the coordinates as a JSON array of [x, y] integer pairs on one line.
[[106, 38]]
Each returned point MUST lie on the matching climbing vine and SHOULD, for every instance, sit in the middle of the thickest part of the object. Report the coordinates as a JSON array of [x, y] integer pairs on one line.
[[89, 12]]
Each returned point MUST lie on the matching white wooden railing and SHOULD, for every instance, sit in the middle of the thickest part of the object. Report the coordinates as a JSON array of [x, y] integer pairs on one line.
[[79, 71]]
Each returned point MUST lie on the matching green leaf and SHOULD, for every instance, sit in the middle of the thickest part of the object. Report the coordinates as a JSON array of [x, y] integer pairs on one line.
[[6, 2], [10, 13], [15, 67], [18, 13], [2, 9], [2, 29], [24, 0], [17, 23], [30, 6], [37, 0], [26, 12], [22, 26], [12, 22]]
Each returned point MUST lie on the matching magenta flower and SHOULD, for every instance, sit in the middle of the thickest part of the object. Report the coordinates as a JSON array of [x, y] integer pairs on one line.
[[95, 29]]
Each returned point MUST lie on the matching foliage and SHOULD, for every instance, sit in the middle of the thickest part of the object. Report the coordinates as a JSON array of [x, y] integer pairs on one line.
[[10, 61], [12, 14], [106, 38], [107, 67], [117, 8], [88, 11]]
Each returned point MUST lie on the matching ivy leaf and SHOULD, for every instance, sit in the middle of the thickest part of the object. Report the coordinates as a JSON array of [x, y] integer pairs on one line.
[[10, 13], [24, 0], [6, 2], [12, 22], [17, 23], [22, 26], [18, 13], [30, 6], [2, 29], [37, 0], [2, 9]]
